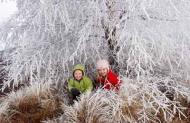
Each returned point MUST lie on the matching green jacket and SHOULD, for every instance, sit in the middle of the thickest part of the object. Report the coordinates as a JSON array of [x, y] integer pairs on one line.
[[85, 84]]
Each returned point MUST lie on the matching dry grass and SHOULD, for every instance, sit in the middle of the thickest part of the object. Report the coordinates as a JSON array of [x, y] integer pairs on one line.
[[40, 103], [182, 119], [130, 111], [30, 105], [129, 106], [144, 103], [100, 107]]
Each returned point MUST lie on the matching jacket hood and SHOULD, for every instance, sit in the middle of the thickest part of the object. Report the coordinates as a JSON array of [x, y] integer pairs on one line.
[[79, 67]]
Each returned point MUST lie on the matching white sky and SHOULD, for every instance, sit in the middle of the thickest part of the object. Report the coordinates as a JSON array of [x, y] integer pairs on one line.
[[6, 10]]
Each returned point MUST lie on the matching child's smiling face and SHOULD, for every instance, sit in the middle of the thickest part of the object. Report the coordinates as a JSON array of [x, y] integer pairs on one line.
[[78, 75], [103, 72]]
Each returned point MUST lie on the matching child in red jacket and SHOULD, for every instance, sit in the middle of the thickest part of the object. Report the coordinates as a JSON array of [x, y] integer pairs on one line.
[[106, 77]]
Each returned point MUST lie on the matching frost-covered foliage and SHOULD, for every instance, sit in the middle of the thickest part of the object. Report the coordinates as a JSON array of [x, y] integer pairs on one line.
[[149, 38], [146, 102], [134, 103], [100, 107], [144, 40], [50, 35]]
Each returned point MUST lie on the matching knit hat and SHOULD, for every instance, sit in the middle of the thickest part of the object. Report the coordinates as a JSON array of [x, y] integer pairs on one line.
[[102, 64]]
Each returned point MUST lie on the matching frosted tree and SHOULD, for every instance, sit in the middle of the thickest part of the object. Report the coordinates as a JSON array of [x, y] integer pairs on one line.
[[144, 40], [144, 37]]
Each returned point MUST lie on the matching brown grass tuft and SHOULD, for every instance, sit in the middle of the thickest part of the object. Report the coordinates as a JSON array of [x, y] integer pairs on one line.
[[30, 107]]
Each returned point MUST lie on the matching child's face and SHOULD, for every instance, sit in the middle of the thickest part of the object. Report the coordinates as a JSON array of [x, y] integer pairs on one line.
[[103, 72], [78, 75]]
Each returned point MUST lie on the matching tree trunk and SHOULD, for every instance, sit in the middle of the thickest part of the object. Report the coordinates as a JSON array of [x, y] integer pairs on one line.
[[112, 48]]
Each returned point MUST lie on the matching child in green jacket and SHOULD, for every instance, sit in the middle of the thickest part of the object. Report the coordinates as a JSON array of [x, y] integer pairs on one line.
[[79, 83]]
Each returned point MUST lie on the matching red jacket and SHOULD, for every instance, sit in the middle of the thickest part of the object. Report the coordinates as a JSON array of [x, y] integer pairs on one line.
[[111, 81]]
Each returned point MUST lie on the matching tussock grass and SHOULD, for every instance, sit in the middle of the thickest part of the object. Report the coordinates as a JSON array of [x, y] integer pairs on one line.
[[136, 102], [32, 104], [99, 107], [145, 102]]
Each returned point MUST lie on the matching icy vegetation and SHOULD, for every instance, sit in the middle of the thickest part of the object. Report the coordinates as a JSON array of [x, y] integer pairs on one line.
[[146, 41]]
